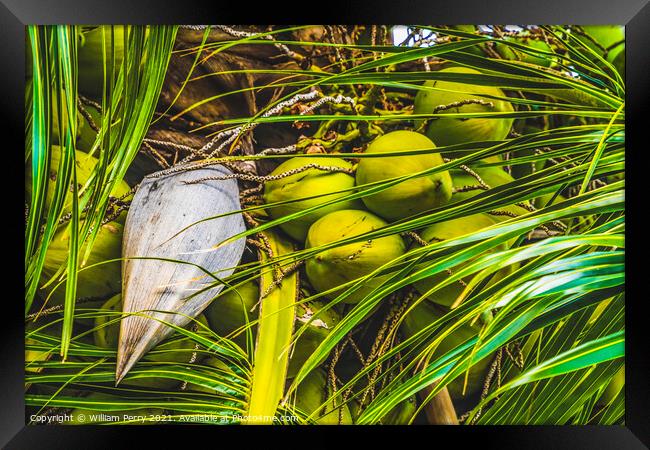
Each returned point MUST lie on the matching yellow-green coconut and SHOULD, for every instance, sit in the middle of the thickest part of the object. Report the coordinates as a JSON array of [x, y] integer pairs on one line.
[[476, 49], [90, 60], [426, 313], [527, 56], [493, 177], [312, 392], [411, 196], [97, 282], [611, 37], [87, 135], [333, 267], [443, 231], [308, 183], [402, 413], [450, 131], [233, 309], [85, 166]]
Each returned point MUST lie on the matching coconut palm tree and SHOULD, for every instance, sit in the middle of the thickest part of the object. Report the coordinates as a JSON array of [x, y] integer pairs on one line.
[[503, 303]]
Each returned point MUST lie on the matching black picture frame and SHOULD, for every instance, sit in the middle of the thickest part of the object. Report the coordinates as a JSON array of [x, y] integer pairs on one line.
[[635, 14]]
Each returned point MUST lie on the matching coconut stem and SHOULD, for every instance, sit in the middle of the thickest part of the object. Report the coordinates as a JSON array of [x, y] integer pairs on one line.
[[440, 409]]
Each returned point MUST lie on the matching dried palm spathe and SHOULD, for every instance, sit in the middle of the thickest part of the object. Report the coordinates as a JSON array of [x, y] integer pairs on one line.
[[170, 270]]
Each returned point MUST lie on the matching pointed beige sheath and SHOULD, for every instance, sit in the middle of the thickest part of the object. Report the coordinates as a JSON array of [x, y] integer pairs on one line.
[[161, 208]]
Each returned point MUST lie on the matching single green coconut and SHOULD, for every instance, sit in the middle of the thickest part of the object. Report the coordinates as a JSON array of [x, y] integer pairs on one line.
[[525, 169], [90, 57], [476, 49], [34, 357], [97, 282], [542, 201], [85, 166], [443, 231], [312, 392], [232, 309], [493, 177], [107, 333], [426, 313], [43, 343], [314, 335], [450, 131], [311, 182], [611, 37], [229, 312], [408, 197], [516, 54], [90, 415], [402, 413], [333, 267]]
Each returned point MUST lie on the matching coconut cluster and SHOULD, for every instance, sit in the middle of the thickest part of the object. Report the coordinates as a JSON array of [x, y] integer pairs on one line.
[[400, 175], [337, 208], [408, 181]]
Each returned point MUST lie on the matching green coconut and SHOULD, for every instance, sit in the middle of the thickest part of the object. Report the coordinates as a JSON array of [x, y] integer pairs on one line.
[[90, 53], [333, 267], [85, 166], [318, 329], [450, 131], [233, 309], [516, 54], [93, 416], [408, 197], [177, 349], [493, 177], [46, 325], [525, 169], [610, 37], [443, 231], [542, 201], [426, 313], [87, 135], [44, 338], [229, 311], [98, 282], [402, 413], [312, 392], [476, 49], [34, 357], [106, 333], [311, 182]]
